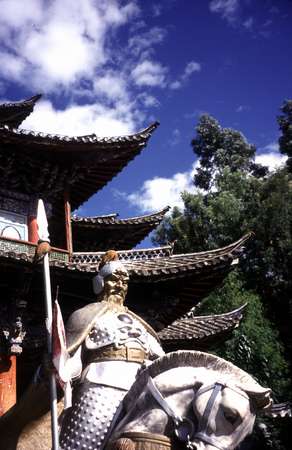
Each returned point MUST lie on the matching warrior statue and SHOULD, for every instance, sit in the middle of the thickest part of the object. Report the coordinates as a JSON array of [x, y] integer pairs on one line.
[[108, 344]]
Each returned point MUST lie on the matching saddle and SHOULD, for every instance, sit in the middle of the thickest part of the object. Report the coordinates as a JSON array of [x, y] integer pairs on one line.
[[141, 441]]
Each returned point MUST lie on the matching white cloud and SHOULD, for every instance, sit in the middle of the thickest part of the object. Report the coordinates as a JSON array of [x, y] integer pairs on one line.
[[190, 68], [146, 40], [242, 108], [175, 137], [233, 11], [66, 48], [248, 23], [271, 147], [228, 9], [12, 67], [112, 86], [270, 156], [113, 13], [82, 119], [148, 100], [159, 192], [58, 60], [54, 44], [175, 85], [149, 73], [157, 10], [272, 159], [16, 14]]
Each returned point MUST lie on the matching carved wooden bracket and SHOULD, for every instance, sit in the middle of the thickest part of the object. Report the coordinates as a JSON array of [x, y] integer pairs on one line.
[[12, 337]]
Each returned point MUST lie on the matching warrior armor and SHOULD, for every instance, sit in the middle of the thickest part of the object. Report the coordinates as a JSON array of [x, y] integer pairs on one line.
[[108, 361], [117, 329]]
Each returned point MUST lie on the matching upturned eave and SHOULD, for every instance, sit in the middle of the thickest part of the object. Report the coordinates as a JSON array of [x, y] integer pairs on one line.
[[13, 114], [191, 332], [105, 232]]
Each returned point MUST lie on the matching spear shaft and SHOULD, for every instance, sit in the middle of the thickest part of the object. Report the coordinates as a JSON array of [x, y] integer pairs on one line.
[[52, 379], [44, 237]]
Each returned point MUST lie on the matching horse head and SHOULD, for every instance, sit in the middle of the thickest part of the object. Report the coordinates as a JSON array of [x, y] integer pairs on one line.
[[197, 398]]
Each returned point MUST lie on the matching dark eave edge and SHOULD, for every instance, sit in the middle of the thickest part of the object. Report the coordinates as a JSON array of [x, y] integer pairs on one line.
[[186, 328], [89, 140], [112, 219]]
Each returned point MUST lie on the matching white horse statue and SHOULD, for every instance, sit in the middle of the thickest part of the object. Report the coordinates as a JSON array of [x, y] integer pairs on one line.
[[185, 399], [190, 398]]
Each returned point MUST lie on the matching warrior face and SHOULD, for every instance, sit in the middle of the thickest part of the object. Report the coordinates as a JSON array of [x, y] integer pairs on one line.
[[116, 286]]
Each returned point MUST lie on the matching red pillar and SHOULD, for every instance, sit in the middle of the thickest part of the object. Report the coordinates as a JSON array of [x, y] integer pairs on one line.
[[33, 235], [7, 382]]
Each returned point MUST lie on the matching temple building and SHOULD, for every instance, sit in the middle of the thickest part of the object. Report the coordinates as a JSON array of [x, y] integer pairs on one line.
[[65, 172]]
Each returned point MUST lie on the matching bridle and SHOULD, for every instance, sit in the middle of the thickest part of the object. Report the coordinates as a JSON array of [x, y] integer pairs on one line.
[[184, 428], [204, 420]]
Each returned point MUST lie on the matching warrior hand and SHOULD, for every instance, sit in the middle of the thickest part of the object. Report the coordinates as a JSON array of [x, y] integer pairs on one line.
[[41, 250]]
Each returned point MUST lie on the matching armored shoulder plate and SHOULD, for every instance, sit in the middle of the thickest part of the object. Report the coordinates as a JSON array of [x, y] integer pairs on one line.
[[81, 322]]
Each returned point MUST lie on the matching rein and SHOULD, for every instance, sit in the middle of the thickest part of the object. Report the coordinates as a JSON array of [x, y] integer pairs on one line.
[[184, 428]]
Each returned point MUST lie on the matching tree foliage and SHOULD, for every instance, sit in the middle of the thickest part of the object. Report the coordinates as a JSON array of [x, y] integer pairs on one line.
[[255, 346], [218, 148], [235, 196], [285, 124], [237, 202]]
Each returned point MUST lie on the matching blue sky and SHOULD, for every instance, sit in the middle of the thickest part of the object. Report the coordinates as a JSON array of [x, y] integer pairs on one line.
[[113, 67]]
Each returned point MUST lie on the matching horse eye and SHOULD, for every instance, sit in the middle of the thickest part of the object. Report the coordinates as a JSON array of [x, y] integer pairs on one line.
[[231, 416]]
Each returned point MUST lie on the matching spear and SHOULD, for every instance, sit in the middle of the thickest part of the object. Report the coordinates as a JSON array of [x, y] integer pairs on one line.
[[44, 237]]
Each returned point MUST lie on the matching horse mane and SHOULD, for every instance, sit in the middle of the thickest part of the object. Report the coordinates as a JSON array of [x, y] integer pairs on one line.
[[226, 371]]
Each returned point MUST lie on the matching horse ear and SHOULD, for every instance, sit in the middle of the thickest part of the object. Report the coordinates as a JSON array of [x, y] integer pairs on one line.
[[260, 397]]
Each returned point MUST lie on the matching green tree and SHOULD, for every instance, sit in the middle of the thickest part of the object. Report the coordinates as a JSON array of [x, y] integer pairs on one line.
[[235, 196], [285, 124], [255, 346], [218, 148], [238, 201]]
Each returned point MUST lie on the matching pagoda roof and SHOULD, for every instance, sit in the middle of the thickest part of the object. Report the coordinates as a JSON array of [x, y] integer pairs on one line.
[[187, 278], [14, 113], [167, 285], [48, 163], [200, 331], [104, 232], [161, 262]]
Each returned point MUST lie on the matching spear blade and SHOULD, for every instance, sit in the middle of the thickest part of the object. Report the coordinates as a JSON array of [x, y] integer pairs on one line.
[[42, 222]]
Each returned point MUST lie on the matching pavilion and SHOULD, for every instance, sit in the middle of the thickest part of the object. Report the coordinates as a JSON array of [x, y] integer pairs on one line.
[[65, 172]]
